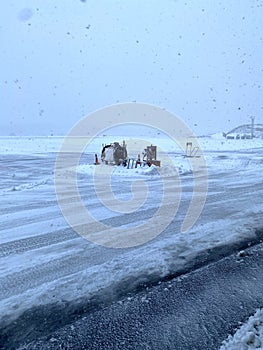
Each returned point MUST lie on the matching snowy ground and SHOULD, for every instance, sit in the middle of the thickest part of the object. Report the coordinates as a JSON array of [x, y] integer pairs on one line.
[[43, 261], [41, 145]]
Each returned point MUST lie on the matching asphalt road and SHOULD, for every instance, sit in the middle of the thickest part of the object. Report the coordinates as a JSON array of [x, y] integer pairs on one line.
[[196, 311]]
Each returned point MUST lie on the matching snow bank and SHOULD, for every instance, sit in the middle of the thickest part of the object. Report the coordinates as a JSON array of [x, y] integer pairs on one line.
[[182, 167], [89, 169], [249, 336]]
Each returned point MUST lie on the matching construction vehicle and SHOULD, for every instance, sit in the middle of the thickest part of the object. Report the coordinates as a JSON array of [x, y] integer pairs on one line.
[[116, 154]]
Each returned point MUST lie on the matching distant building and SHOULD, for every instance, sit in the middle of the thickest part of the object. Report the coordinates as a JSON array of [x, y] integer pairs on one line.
[[246, 131]]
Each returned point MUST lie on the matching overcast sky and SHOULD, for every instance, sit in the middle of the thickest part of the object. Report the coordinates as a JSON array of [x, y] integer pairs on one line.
[[61, 60]]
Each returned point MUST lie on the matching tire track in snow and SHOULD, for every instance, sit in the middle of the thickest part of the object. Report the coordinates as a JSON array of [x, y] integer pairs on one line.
[[37, 275], [36, 242], [47, 239]]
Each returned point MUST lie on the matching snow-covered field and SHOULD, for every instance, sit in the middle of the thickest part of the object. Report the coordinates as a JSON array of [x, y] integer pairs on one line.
[[44, 261], [42, 144]]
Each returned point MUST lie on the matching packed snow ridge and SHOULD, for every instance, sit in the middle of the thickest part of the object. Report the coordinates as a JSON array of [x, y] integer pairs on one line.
[[249, 336]]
